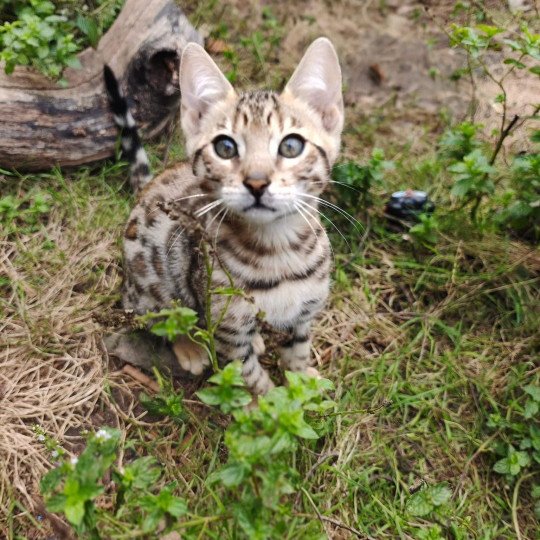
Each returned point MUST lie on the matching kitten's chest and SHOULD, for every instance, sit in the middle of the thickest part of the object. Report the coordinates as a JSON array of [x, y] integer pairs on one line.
[[282, 285], [285, 305]]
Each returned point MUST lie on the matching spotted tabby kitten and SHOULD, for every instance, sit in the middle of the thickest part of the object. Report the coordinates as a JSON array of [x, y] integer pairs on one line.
[[259, 160]]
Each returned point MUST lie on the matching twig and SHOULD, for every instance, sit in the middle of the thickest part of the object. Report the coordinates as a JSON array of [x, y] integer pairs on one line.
[[504, 133], [139, 376]]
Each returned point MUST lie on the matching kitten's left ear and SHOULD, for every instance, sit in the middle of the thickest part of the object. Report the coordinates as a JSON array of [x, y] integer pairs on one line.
[[317, 82]]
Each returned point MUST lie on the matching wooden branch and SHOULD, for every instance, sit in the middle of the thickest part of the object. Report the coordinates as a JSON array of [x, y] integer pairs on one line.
[[43, 124]]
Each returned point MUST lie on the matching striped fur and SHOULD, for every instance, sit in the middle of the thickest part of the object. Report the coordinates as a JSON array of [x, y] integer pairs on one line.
[[132, 148], [270, 243]]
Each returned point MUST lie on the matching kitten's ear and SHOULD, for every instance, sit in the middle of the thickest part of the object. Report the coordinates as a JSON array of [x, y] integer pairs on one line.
[[317, 82], [201, 85]]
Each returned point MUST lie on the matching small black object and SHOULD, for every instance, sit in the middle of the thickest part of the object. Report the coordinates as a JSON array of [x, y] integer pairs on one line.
[[407, 205]]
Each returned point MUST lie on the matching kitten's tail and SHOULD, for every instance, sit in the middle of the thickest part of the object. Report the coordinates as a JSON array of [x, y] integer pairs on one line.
[[132, 148]]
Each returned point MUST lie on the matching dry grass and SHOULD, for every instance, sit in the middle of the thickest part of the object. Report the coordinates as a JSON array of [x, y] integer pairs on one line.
[[53, 369]]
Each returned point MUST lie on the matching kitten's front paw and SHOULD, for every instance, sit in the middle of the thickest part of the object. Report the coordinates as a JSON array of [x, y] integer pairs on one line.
[[191, 357], [312, 372], [258, 344]]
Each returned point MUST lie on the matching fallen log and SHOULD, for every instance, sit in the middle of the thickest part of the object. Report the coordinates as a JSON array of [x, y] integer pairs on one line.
[[43, 124]]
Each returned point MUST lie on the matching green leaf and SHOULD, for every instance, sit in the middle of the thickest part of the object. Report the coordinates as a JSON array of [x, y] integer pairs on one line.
[[418, 505], [51, 480], [305, 431], [89, 28], [535, 70], [230, 475], [142, 473], [74, 511], [440, 494], [531, 409], [533, 391], [517, 63], [502, 466], [210, 396]]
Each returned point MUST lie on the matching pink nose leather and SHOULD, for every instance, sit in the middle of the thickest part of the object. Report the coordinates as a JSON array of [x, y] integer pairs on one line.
[[256, 184]]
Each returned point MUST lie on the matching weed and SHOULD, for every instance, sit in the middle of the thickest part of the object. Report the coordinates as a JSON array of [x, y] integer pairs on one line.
[[263, 43], [41, 35], [355, 182], [73, 487], [167, 402], [24, 214], [426, 230], [258, 476]]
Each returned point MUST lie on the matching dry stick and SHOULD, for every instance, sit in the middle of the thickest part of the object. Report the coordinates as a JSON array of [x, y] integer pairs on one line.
[[139, 376], [504, 133]]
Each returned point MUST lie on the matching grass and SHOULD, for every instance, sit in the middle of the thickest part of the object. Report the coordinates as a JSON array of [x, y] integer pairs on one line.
[[426, 345]]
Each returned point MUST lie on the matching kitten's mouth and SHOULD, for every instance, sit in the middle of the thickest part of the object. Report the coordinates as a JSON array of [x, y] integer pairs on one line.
[[258, 206]]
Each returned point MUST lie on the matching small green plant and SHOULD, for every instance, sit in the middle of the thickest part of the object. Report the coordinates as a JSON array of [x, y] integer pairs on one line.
[[518, 443], [521, 212], [228, 392], [428, 500], [459, 141], [513, 463], [259, 473], [473, 179], [473, 168], [167, 402], [72, 489], [355, 182], [171, 322], [38, 37], [425, 231], [47, 36], [25, 214], [263, 44]]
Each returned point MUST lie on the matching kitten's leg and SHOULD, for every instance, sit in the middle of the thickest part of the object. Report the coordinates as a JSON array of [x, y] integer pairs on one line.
[[258, 344], [242, 342], [191, 356], [296, 352]]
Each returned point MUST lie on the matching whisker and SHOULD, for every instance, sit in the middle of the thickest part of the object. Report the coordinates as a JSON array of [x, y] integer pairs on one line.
[[214, 217], [334, 182], [191, 197], [301, 212], [219, 225], [304, 203], [176, 238], [206, 208], [346, 215]]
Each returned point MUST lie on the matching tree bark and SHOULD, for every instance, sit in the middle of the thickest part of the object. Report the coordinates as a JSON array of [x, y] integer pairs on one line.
[[43, 124]]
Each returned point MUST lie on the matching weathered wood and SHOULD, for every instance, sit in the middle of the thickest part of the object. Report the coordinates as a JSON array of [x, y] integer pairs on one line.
[[43, 124]]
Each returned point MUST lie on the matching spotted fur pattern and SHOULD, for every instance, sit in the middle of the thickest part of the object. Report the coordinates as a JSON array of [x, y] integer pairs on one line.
[[274, 248]]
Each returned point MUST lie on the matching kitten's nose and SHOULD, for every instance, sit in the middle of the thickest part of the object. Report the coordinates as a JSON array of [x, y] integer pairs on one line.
[[256, 186]]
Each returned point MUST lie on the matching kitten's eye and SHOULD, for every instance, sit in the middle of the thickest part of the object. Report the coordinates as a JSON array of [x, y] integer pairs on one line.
[[225, 147], [291, 146]]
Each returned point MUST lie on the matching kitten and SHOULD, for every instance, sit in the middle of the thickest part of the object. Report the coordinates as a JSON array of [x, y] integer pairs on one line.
[[259, 161]]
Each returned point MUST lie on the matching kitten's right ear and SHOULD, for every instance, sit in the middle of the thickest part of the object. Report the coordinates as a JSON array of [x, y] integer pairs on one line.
[[201, 85]]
